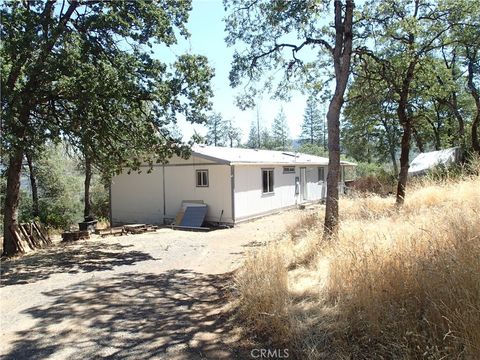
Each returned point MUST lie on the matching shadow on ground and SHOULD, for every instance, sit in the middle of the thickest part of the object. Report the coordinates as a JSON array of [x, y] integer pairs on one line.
[[176, 314], [68, 258]]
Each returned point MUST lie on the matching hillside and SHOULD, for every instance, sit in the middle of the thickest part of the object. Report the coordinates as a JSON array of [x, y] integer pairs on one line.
[[396, 284]]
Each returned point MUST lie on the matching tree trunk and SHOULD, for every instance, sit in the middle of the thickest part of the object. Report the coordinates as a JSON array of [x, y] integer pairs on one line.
[[33, 185], [472, 57], [475, 125], [418, 140], [392, 149], [14, 171], [333, 176], [461, 122], [342, 53], [258, 130], [436, 130], [312, 141], [393, 157], [88, 178], [404, 163]]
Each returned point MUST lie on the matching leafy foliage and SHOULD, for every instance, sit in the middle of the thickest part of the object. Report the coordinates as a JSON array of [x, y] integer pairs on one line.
[[60, 190], [313, 150], [60, 182], [83, 71]]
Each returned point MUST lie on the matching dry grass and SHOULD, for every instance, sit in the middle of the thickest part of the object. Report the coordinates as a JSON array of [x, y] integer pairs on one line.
[[397, 284]]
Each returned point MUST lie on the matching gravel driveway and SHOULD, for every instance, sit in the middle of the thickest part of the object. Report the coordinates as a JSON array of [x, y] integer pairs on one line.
[[161, 295]]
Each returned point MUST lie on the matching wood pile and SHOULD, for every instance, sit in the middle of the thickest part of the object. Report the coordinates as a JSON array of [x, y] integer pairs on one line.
[[111, 231], [126, 229], [139, 228], [75, 235], [29, 236]]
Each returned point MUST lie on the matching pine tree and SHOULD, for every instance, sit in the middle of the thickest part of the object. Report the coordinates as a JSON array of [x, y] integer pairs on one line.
[[233, 134], [312, 127], [280, 132], [253, 136], [266, 140], [217, 130]]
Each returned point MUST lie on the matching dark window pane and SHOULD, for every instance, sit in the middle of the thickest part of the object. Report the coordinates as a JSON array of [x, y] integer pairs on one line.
[[321, 174], [205, 179], [270, 181], [265, 181]]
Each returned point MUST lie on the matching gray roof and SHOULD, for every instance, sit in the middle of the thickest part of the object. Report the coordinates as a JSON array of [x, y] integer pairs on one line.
[[238, 156]]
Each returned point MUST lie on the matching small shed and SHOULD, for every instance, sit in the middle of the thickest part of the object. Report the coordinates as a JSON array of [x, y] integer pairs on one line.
[[236, 184]]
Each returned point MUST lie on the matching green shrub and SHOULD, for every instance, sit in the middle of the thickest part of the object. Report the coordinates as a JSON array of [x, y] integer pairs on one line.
[[99, 198]]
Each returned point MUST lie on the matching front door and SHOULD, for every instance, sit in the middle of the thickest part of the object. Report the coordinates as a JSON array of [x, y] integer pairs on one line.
[[303, 184]]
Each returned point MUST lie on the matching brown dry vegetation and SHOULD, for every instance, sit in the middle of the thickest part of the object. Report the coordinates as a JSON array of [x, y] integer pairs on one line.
[[397, 284]]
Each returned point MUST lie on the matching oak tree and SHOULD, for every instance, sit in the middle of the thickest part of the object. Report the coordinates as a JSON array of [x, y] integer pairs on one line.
[[83, 71], [273, 35]]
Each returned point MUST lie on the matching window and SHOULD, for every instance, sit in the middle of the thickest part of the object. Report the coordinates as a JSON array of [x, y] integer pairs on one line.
[[321, 174], [289, 170], [267, 181], [202, 178]]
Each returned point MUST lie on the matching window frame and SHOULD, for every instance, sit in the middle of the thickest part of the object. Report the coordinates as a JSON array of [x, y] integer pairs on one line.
[[197, 171], [291, 170], [272, 189]]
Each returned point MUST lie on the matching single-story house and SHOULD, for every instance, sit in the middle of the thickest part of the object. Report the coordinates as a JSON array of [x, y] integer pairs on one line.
[[236, 184]]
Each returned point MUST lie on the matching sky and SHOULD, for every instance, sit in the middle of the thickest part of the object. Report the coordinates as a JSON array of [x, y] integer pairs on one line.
[[207, 38]]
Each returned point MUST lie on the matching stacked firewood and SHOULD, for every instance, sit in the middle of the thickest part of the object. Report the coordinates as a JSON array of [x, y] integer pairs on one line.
[[29, 236]]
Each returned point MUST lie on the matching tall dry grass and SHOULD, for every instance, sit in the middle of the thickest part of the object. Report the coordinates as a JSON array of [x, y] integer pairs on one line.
[[397, 284]]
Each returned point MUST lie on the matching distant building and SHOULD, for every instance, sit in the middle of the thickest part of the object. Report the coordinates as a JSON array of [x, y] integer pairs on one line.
[[236, 184], [429, 160]]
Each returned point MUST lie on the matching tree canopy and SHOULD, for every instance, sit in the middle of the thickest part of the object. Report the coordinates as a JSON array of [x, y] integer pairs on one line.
[[308, 43], [83, 71]]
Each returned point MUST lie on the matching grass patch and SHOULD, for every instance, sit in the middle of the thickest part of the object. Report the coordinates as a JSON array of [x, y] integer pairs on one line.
[[397, 284]]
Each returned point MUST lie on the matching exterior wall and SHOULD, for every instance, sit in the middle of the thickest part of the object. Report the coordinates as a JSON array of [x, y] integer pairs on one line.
[[250, 201], [157, 196], [139, 198], [316, 189], [180, 185]]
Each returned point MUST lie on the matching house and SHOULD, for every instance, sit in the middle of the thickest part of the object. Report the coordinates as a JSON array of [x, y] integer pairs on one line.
[[424, 162], [236, 184]]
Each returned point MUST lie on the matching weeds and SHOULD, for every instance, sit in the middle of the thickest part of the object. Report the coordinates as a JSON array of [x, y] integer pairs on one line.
[[396, 284]]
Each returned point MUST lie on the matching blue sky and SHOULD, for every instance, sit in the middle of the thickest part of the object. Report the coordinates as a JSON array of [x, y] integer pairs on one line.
[[207, 38]]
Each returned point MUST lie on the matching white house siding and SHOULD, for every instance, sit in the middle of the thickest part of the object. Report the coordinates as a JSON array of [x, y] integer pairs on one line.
[[180, 185], [137, 198], [316, 189], [251, 202], [249, 199]]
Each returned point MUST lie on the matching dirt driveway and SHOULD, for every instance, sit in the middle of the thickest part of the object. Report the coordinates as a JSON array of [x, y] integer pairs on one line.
[[161, 295]]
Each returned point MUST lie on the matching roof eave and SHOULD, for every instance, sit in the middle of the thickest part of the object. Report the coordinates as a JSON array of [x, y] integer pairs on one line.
[[212, 158]]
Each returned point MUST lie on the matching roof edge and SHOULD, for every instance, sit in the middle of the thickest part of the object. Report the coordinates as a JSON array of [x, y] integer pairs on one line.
[[211, 158]]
